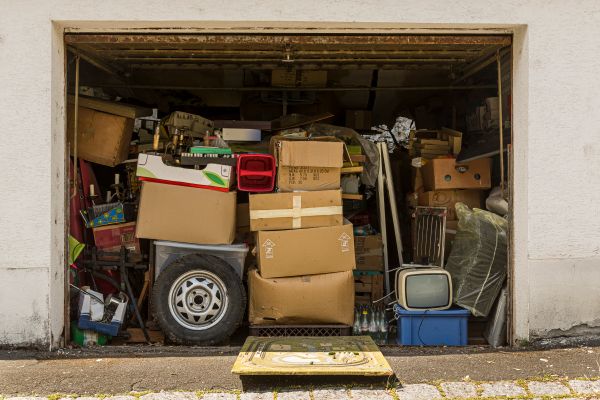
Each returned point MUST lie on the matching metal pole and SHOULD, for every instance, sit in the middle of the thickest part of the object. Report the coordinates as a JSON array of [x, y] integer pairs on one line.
[[75, 125], [501, 121], [293, 89]]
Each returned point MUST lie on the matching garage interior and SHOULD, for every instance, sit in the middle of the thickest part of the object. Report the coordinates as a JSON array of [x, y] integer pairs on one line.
[[294, 81]]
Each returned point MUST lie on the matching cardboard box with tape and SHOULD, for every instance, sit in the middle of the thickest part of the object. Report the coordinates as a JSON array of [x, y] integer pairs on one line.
[[314, 299], [186, 214], [448, 198], [308, 164], [276, 211], [446, 173], [305, 251]]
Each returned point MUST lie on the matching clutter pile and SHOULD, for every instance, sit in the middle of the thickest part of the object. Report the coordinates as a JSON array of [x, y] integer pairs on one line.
[[167, 229]]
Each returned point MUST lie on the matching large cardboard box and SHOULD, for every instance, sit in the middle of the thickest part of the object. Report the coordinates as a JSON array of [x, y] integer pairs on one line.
[[446, 173], [103, 137], [308, 164], [369, 253], [305, 251], [275, 211], [448, 198], [314, 299], [186, 214]]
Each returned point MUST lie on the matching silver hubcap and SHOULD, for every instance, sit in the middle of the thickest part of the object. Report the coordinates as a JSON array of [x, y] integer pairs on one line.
[[198, 300]]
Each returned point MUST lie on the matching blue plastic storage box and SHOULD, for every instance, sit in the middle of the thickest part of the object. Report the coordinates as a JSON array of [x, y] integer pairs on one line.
[[432, 328]]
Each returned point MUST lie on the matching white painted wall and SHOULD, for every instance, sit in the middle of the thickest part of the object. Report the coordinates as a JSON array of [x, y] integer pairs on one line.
[[557, 151]]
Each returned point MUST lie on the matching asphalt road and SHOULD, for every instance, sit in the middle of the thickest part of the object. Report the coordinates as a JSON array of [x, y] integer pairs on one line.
[[117, 370]]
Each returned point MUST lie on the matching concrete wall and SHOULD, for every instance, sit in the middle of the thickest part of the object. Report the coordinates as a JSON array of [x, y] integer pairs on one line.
[[557, 154]]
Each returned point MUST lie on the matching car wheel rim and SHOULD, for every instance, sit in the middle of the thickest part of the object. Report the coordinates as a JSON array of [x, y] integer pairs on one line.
[[198, 300]]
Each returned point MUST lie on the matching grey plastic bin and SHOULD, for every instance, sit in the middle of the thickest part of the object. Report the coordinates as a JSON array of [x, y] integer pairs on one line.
[[167, 252]]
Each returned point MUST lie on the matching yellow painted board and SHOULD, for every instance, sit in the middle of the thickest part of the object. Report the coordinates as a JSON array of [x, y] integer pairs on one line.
[[302, 355], [352, 170], [352, 196]]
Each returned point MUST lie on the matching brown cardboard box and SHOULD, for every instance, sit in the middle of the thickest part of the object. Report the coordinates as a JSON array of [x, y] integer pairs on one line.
[[112, 237], [448, 198], [446, 173], [186, 214], [273, 211], [368, 288], [358, 119], [368, 252], [242, 221], [104, 129], [305, 251], [314, 299], [308, 164]]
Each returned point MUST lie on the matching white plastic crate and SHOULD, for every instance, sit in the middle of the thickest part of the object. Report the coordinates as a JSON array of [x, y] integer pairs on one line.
[[167, 252]]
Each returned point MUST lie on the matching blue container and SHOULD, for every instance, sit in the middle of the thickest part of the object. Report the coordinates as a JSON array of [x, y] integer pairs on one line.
[[432, 328]]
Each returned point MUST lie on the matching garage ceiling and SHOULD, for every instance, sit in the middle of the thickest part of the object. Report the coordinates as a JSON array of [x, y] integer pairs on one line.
[[119, 53]]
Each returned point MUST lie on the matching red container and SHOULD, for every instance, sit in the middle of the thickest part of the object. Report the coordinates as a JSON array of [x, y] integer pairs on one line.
[[256, 172]]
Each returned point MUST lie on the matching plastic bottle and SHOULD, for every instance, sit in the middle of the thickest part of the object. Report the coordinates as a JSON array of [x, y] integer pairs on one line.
[[364, 322], [383, 331], [373, 326], [356, 325]]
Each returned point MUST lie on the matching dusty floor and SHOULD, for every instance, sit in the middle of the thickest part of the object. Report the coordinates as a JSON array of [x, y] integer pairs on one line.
[[112, 370]]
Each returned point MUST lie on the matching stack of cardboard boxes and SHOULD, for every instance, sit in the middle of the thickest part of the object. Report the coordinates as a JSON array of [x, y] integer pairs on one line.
[[304, 247], [368, 277], [440, 181], [447, 182]]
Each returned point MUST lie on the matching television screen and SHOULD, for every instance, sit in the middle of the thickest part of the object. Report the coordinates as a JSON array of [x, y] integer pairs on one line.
[[427, 291]]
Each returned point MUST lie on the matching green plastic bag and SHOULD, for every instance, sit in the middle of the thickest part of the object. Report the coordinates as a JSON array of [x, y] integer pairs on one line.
[[75, 249], [478, 259]]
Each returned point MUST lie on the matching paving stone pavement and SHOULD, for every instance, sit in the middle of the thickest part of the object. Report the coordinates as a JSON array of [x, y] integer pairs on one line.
[[418, 391], [120, 398], [257, 396], [501, 389], [547, 388], [573, 389], [219, 396], [585, 387], [169, 396], [330, 394], [369, 394], [461, 390], [293, 395]]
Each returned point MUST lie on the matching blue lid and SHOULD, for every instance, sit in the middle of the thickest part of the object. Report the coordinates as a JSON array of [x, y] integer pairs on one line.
[[455, 310]]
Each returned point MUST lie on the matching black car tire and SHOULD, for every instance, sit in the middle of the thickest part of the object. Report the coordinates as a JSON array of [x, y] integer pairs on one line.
[[188, 290]]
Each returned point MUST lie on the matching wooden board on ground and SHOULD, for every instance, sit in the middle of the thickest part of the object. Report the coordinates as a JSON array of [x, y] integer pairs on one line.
[[323, 356], [137, 336]]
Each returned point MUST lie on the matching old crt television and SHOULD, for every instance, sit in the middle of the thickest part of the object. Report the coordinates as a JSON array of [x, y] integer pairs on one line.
[[424, 289]]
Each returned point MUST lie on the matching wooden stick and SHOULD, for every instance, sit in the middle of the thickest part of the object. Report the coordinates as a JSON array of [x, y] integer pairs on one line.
[[500, 122], [75, 123], [393, 207], [382, 219]]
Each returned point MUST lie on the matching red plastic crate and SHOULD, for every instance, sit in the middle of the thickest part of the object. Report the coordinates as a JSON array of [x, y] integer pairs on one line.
[[256, 172]]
